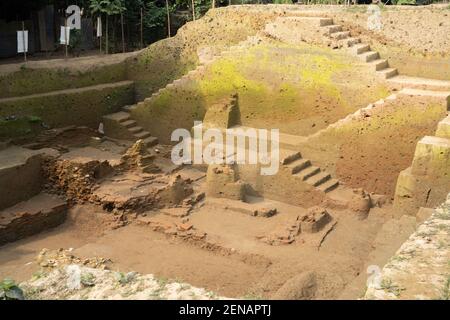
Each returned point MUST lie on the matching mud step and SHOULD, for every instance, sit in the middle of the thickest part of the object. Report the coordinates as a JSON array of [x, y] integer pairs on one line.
[[369, 56], [333, 28], [135, 129], [318, 179], [350, 42], [379, 64], [421, 83], [361, 48], [307, 172], [291, 158], [129, 108], [118, 116], [299, 165], [128, 123], [329, 185], [388, 73], [151, 141], [340, 35], [325, 22], [142, 135]]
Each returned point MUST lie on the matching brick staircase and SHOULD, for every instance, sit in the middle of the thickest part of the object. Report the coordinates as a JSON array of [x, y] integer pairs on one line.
[[120, 125], [360, 50], [337, 37], [303, 169]]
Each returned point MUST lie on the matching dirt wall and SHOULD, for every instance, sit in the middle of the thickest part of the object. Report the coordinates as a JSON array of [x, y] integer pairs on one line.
[[301, 91], [84, 107], [167, 60], [39, 78], [370, 152]]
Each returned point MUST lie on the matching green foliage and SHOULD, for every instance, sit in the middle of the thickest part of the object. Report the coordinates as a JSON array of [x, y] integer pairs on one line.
[[87, 279], [108, 7], [10, 291], [282, 1], [154, 16]]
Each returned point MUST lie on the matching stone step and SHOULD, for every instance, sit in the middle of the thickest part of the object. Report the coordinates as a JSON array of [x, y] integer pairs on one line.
[[388, 73], [350, 42], [329, 185], [333, 28], [340, 35], [299, 165], [443, 129], [118, 116], [361, 48], [425, 93], [142, 135], [129, 123], [421, 83], [325, 22], [129, 108], [322, 22], [135, 129], [307, 172], [369, 56], [318, 179], [151, 141], [379, 64], [291, 158]]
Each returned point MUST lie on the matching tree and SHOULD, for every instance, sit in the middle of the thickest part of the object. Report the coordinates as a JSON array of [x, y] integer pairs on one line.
[[109, 8]]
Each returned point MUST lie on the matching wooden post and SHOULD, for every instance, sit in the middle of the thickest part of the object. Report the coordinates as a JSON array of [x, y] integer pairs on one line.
[[168, 18], [142, 23], [106, 43], [101, 32], [23, 42], [123, 35]]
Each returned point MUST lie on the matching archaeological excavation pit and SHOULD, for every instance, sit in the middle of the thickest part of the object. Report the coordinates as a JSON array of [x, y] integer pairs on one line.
[[87, 170]]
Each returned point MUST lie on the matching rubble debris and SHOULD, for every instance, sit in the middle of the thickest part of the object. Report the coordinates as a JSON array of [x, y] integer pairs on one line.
[[315, 220], [49, 259], [360, 203], [138, 157], [284, 234]]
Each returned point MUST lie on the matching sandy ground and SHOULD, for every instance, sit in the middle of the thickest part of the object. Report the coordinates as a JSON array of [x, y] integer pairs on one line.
[[138, 248]]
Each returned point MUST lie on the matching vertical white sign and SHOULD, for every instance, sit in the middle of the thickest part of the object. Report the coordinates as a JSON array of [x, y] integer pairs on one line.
[[65, 35], [22, 41], [99, 27], [74, 18]]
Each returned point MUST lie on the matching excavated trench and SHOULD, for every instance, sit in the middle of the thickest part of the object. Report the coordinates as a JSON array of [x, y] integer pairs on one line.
[[361, 163]]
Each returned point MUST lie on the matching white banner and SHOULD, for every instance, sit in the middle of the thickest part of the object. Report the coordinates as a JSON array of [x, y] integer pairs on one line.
[[65, 35], [99, 27], [21, 41]]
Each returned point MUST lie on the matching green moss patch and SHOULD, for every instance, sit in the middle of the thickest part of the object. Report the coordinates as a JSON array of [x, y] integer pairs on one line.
[[31, 81], [298, 89]]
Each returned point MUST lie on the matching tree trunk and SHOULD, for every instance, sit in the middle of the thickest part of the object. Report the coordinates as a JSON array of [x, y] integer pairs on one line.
[[193, 10], [106, 37], [114, 23], [123, 34], [213, 3], [142, 26], [168, 18]]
